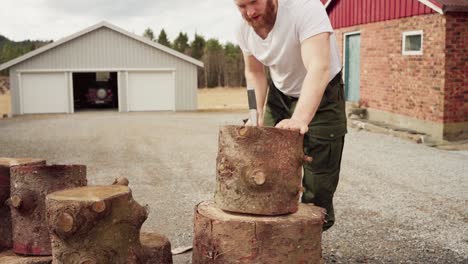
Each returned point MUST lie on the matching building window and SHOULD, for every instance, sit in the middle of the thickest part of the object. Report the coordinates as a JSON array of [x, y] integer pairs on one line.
[[412, 43]]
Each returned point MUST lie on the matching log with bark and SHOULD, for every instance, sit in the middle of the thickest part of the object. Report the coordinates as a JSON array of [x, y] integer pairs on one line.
[[99, 225], [29, 187], [9, 257], [6, 164], [222, 237], [259, 170]]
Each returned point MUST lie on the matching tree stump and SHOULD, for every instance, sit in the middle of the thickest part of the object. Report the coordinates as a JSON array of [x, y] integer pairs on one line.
[[157, 248], [29, 187], [259, 170], [9, 257], [97, 225], [222, 237], [6, 241]]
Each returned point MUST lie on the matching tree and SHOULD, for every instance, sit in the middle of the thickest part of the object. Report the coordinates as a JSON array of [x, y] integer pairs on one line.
[[181, 43], [197, 49], [149, 34], [213, 59], [234, 65], [162, 39]]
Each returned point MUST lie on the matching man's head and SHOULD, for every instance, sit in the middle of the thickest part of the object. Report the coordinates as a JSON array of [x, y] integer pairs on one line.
[[258, 13]]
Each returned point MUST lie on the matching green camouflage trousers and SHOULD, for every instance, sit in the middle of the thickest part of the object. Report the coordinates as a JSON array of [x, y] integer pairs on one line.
[[323, 142]]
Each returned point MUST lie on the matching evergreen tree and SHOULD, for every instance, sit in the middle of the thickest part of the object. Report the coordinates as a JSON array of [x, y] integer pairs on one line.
[[162, 39], [181, 43], [149, 34]]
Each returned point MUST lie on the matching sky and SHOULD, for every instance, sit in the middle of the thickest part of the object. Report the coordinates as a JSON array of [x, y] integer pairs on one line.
[[55, 19]]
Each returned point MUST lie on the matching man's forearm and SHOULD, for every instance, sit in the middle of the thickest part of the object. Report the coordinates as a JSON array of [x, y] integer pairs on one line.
[[313, 88]]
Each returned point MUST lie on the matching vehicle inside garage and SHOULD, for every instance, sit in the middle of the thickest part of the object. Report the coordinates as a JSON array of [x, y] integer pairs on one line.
[[95, 90]]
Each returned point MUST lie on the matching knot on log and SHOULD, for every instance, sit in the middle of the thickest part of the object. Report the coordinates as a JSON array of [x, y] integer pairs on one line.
[[16, 201], [99, 206], [121, 181], [24, 202], [259, 177], [65, 222]]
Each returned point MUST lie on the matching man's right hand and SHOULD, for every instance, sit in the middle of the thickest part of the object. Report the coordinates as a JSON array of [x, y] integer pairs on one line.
[[259, 118]]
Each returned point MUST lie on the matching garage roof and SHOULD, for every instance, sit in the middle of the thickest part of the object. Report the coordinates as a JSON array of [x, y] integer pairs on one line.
[[93, 28]]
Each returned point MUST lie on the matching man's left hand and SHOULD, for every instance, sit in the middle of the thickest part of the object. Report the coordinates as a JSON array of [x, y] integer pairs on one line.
[[293, 124]]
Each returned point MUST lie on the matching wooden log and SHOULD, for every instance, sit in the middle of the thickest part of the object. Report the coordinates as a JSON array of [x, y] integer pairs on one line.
[[29, 187], [96, 224], [157, 248], [6, 164], [222, 237], [9, 257], [259, 170]]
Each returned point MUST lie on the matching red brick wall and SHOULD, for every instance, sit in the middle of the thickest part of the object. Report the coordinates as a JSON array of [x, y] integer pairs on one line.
[[405, 85], [456, 81]]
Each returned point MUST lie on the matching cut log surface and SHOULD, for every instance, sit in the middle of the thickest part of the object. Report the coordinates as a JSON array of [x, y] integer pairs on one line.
[[9, 257], [259, 170], [157, 248], [29, 187], [222, 237], [97, 224], [6, 241]]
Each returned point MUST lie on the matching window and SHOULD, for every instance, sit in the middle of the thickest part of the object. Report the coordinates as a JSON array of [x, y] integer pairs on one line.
[[412, 43]]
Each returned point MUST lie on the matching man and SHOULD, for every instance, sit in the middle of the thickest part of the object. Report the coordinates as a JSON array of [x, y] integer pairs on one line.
[[294, 38]]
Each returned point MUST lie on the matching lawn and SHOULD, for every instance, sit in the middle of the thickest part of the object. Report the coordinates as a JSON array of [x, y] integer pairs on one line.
[[222, 98]]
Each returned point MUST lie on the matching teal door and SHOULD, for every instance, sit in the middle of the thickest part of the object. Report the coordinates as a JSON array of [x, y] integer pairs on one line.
[[352, 67]]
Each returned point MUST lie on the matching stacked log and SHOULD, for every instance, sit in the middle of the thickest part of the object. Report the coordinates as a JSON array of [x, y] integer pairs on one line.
[[255, 216], [6, 164], [222, 237], [259, 170], [29, 187], [101, 224]]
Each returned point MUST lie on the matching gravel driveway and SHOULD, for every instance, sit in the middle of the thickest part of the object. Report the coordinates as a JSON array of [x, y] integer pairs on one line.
[[397, 202]]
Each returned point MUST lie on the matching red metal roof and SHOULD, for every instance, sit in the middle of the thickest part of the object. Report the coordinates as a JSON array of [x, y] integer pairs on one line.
[[443, 5], [346, 13]]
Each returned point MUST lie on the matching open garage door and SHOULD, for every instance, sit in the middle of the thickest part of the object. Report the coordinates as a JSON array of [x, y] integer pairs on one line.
[[44, 93], [151, 91]]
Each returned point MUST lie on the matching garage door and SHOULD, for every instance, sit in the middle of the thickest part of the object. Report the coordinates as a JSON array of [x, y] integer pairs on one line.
[[151, 91], [44, 93]]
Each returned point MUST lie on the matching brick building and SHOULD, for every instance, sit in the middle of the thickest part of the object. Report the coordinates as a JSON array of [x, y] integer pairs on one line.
[[406, 61]]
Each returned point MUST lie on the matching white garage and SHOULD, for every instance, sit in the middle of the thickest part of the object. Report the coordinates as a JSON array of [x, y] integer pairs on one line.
[[44, 93], [151, 91], [103, 66]]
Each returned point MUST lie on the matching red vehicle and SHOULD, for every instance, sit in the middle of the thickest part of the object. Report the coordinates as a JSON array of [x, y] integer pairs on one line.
[[100, 95]]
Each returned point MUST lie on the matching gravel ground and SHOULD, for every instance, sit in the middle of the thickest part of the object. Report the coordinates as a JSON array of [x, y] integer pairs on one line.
[[397, 202]]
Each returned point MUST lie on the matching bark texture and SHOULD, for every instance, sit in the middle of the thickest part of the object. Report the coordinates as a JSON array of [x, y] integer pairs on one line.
[[259, 170], [9, 257], [222, 237], [97, 225], [29, 187], [6, 241]]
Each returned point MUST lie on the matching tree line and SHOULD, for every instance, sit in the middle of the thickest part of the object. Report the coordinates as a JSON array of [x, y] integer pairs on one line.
[[224, 64], [11, 49]]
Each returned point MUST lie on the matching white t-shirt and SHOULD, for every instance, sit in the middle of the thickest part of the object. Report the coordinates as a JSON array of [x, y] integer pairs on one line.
[[296, 21]]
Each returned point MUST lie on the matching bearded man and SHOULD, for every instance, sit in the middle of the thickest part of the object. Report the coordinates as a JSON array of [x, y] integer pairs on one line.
[[295, 40]]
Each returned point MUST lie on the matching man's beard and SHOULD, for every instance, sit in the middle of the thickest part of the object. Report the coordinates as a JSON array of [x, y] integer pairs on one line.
[[267, 19]]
